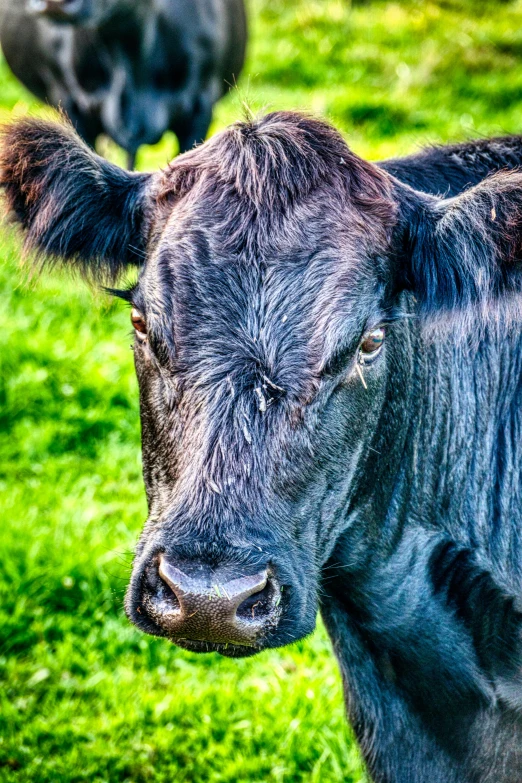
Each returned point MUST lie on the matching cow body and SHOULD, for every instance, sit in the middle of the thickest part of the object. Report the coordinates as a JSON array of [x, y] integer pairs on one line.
[[130, 70], [329, 356]]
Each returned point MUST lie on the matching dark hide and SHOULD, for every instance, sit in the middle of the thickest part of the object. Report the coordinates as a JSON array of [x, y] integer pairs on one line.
[[47, 204], [468, 251], [449, 170], [130, 70], [384, 488]]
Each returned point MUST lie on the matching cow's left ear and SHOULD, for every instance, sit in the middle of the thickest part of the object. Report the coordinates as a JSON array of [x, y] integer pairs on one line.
[[74, 206], [465, 251]]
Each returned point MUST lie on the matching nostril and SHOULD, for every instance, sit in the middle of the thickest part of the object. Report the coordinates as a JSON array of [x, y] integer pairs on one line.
[[259, 604], [163, 592]]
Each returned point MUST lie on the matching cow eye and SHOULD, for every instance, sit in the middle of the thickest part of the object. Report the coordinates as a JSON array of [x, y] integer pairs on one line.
[[138, 322], [371, 344]]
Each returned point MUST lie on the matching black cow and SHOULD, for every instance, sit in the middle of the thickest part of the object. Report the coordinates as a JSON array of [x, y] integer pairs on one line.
[[330, 371], [131, 69]]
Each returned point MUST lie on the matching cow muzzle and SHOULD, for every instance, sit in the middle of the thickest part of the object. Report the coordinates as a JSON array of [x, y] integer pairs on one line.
[[201, 608], [58, 10]]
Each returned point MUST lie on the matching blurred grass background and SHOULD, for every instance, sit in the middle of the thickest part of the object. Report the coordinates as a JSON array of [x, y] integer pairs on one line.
[[83, 696]]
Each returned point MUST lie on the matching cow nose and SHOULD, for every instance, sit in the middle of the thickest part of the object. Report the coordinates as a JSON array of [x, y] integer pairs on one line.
[[210, 606], [56, 9]]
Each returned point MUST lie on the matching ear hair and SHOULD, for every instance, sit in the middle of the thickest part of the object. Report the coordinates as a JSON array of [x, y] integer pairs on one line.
[[73, 205], [467, 251]]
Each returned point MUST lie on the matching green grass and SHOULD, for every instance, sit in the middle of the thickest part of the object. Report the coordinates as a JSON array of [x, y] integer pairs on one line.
[[83, 696]]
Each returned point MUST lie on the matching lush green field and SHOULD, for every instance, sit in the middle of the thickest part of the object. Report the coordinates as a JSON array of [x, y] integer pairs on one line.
[[83, 696]]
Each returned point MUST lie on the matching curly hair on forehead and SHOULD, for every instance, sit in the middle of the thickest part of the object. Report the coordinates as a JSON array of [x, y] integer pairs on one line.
[[273, 162]]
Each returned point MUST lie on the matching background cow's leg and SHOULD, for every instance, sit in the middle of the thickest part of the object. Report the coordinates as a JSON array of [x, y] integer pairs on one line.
[[193, 129], [87, 126]]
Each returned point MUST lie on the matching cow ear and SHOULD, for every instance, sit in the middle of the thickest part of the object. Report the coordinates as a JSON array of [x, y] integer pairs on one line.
[[74, 206], [465, 253]]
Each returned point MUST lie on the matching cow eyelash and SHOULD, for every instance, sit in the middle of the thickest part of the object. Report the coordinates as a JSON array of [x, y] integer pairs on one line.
[[126, 294], [389, 317]]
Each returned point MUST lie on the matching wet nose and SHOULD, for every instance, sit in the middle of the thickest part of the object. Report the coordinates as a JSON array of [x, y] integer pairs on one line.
[[57, 9], [207, 605]]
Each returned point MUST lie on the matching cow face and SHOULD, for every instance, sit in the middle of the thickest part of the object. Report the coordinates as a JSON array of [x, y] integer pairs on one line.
[[269, 326], [255, 374]]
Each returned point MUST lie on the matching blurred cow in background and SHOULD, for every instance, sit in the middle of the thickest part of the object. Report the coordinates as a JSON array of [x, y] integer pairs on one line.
[[131, 69]]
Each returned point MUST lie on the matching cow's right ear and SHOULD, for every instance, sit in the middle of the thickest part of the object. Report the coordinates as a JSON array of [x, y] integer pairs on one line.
[[74, 206]]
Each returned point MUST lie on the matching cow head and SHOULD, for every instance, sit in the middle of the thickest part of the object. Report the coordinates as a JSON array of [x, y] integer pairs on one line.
[[272, 330]]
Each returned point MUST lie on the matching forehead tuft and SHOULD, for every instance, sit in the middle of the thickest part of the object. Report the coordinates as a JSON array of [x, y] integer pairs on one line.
[[273, 163]]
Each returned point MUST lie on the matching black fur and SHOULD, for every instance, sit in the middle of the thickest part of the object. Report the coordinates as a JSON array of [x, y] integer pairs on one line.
[[447, 171], [490, 612], [73, 205], [467, 250], [384, 489]]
